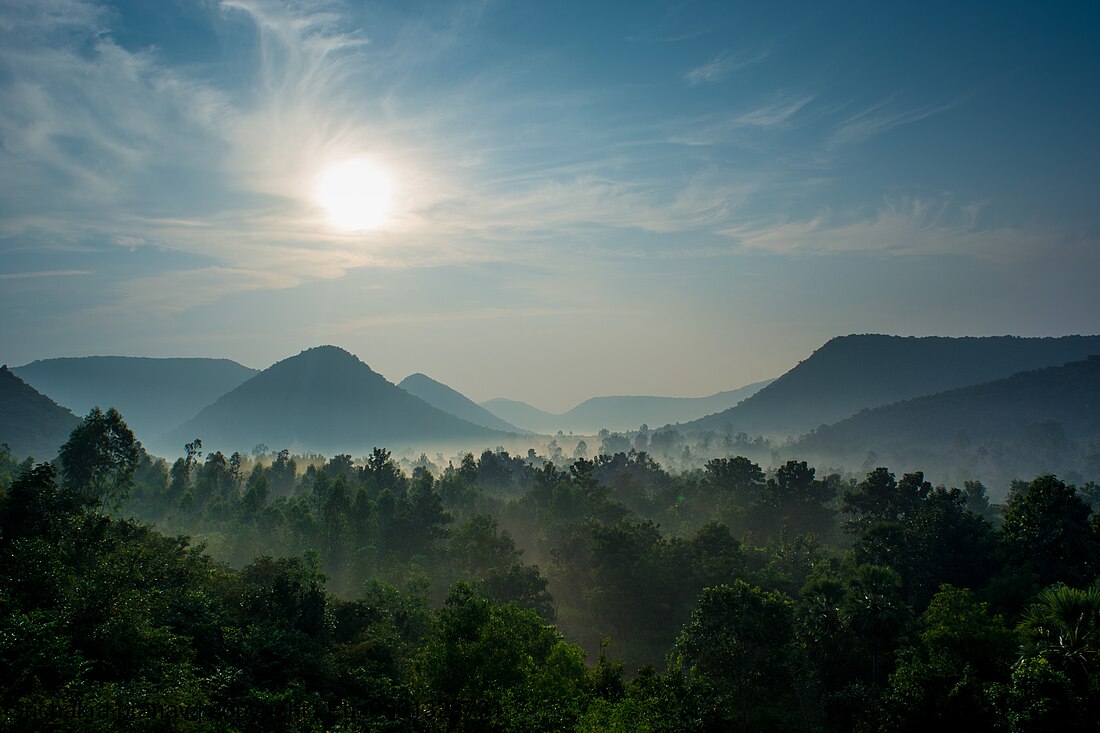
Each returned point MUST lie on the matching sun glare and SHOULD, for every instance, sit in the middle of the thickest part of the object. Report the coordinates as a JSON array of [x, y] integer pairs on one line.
[[356, 194]]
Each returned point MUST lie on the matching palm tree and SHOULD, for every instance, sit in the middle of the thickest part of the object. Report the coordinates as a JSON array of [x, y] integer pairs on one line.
[[1063, 627], [875, 608]]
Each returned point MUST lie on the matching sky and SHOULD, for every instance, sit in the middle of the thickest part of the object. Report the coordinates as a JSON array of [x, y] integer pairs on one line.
[[580, 198]]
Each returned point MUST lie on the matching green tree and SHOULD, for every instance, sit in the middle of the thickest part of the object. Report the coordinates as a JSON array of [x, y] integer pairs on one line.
[[628, 580], [945, 542], [876, 611], [880, 497], [479, 546], [737, 662], [100, 458], [498, 668], [522, 585], [1046, 529], [976, 496], [282, 473], [795, 500], [822, 627], [214, 480], [1063, 627], [336, 531], [737, 475], [381, 472], [35, 506], [1041, 699], [949, 676], [422, 516]]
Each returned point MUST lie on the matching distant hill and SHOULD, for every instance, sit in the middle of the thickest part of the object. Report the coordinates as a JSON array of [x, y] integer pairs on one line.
[[1027, 419], [627, 413], [852, 373], [31, 423], [153, 395], [449, 400], [324, 399], [521, 413], [618, 413]]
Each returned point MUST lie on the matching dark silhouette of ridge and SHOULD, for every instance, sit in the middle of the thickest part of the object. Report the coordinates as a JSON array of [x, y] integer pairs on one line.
[[326, 400], [30, 422], [1040, 409], [852, 373], [154, 395]]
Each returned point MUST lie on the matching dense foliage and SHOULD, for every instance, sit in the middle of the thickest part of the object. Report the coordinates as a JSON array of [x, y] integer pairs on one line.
[[31, 423], [520, 594]]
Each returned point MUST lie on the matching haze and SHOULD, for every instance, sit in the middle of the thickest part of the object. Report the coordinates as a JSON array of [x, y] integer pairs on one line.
[[631, 199]]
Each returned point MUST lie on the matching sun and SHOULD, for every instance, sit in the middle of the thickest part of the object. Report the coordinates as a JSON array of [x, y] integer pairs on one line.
[[357, 194]]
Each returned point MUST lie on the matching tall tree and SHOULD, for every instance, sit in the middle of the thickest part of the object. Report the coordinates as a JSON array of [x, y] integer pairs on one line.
[[876, 611], [498, 668], [1046, 526], [949, 674], [100, 458], [795, 500], [1063, 627], [880, 497], [737, 662]]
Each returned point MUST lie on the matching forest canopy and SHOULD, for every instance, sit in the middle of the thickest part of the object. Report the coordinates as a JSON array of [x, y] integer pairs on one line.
[[508, 593]]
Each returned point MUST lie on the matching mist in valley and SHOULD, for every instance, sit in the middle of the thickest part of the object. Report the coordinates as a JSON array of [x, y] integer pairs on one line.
[[573, 367]]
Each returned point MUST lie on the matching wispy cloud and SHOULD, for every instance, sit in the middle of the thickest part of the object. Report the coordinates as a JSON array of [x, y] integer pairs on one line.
[[49, 15], [174, 292], [42, 273], [107, 144], [670, 38], [358, 325], [903, 226], [780, 111], [878, 118], [776, 113], [721, 66], [111, 146]]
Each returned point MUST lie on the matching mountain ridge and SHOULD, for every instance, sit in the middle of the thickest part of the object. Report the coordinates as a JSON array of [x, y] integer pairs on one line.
[[450, 400], [322, 399], [31, 423], [860, 371], [617, 412], [154, 394], [1041, 411]]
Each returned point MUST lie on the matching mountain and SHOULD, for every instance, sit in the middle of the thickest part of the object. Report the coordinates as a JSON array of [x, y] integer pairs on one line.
[[445, 398], [153, 395], [851, 373], [326, 400], [628, 413], [618, 413], [31, 423], [1027, 420], [521, 413]]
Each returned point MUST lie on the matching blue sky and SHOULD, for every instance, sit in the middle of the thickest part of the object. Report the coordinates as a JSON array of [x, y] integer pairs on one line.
[[588, 198]]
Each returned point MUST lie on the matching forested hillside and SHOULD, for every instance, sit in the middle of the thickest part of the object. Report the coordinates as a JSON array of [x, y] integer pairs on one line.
[[510, 594], [323, 399], [1034, 421], [449, 400], [853, 373], [31, 424], [156, 395]]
